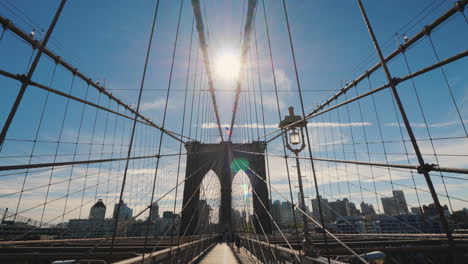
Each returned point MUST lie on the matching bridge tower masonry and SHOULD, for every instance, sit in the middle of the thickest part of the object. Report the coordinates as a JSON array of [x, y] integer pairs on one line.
[[225, 159]]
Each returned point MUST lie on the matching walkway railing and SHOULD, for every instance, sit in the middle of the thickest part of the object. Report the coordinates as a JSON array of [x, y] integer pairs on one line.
[[184, 253], [279, 254]]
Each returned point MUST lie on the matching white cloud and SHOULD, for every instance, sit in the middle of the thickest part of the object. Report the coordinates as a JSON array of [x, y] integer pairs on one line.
[[336, 124], [423, 125], [156, 104], [282, 80], [315, 124]]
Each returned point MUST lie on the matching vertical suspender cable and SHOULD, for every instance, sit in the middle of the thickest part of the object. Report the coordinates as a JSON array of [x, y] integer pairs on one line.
[[183, 124], [142, 83], [163, 121], [306, 130], [423, 167], [279, 118]]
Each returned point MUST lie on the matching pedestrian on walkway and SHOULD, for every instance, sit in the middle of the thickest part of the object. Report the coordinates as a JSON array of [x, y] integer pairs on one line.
[[238, 243]]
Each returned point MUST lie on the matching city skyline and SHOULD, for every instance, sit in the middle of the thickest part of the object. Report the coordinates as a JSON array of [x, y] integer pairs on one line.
[[167, 130]]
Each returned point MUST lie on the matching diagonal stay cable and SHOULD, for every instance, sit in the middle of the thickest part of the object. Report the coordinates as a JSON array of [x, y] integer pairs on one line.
[[248, 205], [395, 81], [173, 224], [204, 48], [236, 161], [123, 225], [312, 219], [201, 187], [411, 41]]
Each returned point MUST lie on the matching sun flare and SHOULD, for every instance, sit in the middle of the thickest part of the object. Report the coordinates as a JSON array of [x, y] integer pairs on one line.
[[227, 65]]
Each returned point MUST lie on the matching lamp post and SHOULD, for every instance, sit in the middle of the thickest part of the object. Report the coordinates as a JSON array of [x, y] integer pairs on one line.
[[293, 126]]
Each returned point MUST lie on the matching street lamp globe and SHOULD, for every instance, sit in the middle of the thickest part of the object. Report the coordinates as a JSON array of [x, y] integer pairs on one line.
[[293, 128], [294, 137]]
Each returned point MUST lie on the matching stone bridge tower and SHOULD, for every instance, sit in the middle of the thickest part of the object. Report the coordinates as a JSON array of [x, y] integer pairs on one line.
[[223, 159]]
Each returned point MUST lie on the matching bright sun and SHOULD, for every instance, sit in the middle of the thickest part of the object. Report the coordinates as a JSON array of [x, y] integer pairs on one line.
[[227, 65]]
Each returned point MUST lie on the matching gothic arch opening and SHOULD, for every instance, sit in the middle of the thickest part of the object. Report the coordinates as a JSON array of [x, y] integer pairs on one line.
[[242, 203], [226, 160], [210, 198]]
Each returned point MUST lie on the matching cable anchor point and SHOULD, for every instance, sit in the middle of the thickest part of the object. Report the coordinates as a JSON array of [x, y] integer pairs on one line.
[[426, 168]]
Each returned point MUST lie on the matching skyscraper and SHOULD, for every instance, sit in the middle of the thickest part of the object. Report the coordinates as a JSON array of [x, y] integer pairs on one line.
[[347, 206], [325, 208], [203, 216], [337, 209], [154, 210], [98, 211], [389, 206], [367, 209], [276, 211], [400, 201], [395, 205], [125, 212], [287, 214]]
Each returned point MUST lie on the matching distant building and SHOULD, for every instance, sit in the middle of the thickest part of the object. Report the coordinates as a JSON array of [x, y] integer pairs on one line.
[[337, 210], [416, 210], [325, 208], [126, 213], [395, 205], [168, 215], [461, 218], [287, 214], [299, 202], [168, 225], [367, 209], [203, 216], [10, 230], [353, 211], [389, 207], [402, 223], [154, 210], [347, 206], [89, 228], [276, 211], [236, 218], [98, 211], [400, 202], [141, 228], [350, 225], [432, 211]]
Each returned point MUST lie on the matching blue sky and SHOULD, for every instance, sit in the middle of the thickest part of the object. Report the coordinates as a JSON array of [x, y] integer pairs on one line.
[[107, 41]]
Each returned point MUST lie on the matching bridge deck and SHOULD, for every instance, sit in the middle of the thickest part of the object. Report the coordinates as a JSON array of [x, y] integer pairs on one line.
[[223, 254]]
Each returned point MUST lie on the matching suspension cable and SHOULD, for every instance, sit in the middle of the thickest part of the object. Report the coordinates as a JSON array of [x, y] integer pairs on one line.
[[204, 48], [244, 50]]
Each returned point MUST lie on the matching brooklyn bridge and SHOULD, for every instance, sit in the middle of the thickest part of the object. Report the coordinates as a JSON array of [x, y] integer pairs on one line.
[[253, 131]]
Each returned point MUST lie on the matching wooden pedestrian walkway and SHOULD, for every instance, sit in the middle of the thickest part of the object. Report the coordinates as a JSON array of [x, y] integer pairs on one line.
[[223, 254]]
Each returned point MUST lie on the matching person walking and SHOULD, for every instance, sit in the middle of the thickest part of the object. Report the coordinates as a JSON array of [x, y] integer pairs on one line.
[[238, 243]]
